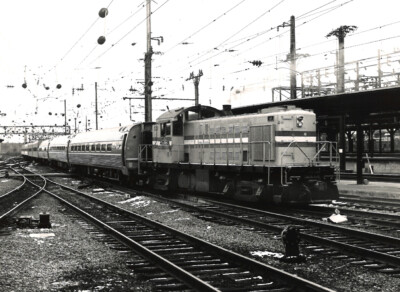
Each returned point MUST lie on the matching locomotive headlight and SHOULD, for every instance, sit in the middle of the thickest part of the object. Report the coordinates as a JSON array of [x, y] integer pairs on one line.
[[299, 121]]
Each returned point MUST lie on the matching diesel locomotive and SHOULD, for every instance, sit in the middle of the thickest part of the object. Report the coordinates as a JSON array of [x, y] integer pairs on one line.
[[271, 156]]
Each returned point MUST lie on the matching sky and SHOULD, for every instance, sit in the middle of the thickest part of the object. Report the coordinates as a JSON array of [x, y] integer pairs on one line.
[[47, 44]]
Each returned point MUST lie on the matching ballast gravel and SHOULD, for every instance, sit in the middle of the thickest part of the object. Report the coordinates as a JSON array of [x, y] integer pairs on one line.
[[62, 258], [73, 261], [338, 275]]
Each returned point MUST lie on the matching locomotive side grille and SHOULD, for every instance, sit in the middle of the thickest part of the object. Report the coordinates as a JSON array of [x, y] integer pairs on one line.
[[261, 139]]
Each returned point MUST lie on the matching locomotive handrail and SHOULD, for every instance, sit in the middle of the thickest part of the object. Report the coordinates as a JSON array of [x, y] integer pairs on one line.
[[283, 154], [143, 147], [311, 161], [331, 147]]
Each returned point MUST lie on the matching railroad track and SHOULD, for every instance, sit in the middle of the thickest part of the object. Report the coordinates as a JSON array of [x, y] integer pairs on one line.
[[373, 203], [16, 198], [384, 223], [174, 260], [372, 177], [373, 251]]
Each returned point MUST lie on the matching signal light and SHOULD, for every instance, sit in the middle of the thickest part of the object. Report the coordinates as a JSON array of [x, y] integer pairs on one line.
[[256, 63]]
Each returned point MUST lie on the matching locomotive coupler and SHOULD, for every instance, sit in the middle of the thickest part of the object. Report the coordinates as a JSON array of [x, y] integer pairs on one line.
[[291, 238]]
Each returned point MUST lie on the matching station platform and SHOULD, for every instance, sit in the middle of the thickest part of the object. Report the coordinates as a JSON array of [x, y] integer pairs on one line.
[[387, 190]]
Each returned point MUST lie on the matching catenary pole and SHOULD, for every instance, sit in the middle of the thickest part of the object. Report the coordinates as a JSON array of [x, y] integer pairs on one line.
[[96, 111], [293, 83], [147, 68]]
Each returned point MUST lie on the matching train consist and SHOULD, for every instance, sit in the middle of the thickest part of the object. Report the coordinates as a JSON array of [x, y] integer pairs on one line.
[[271, 156]]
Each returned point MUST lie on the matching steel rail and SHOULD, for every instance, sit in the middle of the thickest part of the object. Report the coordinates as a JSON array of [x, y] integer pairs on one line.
[[354, 249], [15, 189], [298, 282], [18, 206], [168, 266], [312, 238]]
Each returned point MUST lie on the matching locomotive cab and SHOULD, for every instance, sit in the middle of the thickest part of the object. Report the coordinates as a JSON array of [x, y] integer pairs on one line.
[[169, 133]]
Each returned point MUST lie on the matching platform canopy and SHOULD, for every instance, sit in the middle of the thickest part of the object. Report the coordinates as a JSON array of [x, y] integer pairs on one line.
[[361, 103]]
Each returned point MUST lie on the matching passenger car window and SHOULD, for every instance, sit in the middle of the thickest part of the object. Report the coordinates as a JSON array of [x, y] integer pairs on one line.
[[97, 147], [93, 147], [103, 147], [109, 147]]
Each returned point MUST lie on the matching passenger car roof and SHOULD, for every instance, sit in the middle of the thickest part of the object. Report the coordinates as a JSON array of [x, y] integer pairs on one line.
[[105, 135]]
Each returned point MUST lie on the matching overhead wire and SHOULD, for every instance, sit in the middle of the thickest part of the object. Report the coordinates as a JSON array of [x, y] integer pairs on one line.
[[320, 53], [304, 14], [236, 33], [323, 12], [255, 46], [205, 26], [79, 39], [125, 35], [253, 36]]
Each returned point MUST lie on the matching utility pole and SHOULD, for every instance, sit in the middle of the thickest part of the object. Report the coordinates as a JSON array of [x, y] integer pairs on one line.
[[65, 116], [341, 33], [196, 81], [292, 56], [95, 102], [379, 80], [75, 126], [147, 69], [293, 83]]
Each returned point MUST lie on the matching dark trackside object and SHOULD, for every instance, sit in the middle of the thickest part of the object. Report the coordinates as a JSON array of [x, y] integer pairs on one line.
[[44, 220], [291, 238]]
